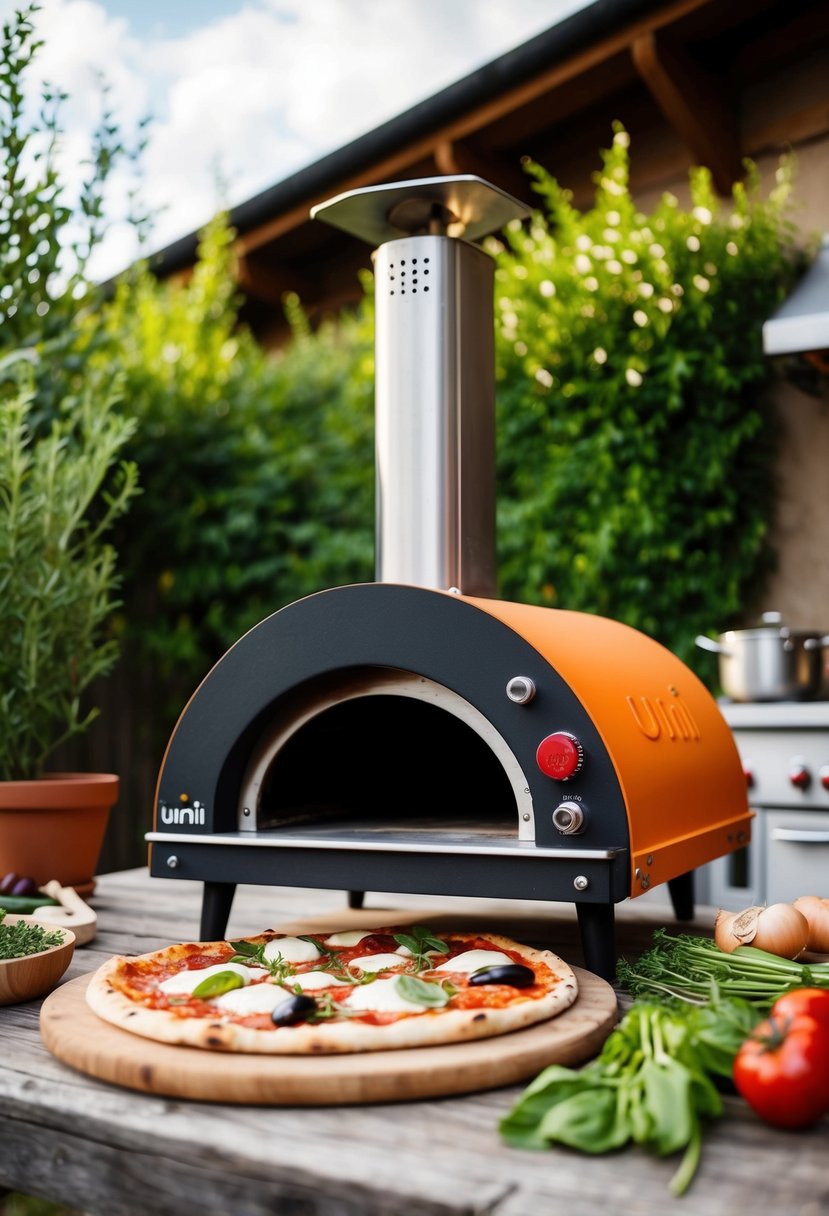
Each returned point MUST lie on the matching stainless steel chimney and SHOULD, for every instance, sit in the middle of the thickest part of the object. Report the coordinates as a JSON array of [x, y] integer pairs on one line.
[[434, 374]]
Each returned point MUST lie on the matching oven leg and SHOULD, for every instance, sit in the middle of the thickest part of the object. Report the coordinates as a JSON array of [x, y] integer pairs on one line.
[[597, 926], [681, 891], [355, 899], [215, 910]]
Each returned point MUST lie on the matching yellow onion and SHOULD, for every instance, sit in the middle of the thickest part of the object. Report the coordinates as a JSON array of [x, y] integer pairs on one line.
[[816, 911], [779, 928]]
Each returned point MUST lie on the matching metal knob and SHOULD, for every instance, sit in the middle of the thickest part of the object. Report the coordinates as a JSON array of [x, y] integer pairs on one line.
[[568, 818], [521, 690]]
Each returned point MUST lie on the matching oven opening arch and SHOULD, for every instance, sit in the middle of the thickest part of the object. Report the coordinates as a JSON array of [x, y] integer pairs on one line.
[[383, 750]]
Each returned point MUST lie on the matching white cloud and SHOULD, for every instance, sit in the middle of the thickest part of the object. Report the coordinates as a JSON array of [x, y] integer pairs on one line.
[[251, 96]]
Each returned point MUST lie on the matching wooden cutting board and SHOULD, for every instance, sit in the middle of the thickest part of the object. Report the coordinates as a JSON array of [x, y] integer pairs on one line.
[[79, 1038]]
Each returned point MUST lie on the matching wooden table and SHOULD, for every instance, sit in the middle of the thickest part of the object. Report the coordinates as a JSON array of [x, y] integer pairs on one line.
[[115, 1152]]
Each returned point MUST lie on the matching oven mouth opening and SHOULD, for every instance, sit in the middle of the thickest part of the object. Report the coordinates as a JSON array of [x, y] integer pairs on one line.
[[387, 753]]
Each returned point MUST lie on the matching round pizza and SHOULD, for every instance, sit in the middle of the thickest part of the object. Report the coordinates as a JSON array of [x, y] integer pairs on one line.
[[352, 991]]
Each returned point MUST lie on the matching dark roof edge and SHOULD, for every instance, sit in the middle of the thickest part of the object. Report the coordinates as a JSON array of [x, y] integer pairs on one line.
[[574, 33]]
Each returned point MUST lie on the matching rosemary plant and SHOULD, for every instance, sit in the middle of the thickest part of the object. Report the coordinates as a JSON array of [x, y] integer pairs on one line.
[[60, 491]]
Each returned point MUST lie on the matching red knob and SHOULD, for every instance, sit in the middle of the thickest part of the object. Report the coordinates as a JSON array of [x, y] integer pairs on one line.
[[800, 776], [560, 756], [824, 776], [749, 776]]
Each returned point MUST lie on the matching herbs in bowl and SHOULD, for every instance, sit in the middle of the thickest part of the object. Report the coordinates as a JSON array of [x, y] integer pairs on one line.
[[33, 957]]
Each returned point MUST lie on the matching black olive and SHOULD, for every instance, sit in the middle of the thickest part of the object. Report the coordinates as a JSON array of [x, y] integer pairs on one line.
[[514, 974], [24, 886], [295, 1009]]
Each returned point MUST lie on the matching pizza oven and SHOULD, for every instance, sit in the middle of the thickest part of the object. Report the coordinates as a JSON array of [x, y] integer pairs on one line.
[[418, 734]]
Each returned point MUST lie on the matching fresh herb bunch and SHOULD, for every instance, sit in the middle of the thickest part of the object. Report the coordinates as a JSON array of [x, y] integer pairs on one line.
[[651, 1085], [20, 939], [687, 968]]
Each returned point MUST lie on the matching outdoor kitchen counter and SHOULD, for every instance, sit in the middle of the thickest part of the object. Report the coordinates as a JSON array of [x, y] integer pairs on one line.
[[110, 1151]]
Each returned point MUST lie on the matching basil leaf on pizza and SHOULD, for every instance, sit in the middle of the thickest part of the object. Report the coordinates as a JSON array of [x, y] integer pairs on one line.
[[432, 996], [345, 991], [219, 982], [420, 942]]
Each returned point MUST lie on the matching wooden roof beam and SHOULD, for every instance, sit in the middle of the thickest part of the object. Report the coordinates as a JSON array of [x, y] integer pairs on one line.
[[265, 285], [694, 105], [454, 158]]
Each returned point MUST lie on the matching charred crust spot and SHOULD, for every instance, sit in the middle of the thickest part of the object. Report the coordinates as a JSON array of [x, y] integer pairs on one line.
[[146, 1073], [479, 1017], [213, 1040], [131, 1013]]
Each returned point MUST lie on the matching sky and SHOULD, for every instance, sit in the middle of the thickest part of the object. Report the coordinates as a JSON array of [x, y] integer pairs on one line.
[[242, 93]]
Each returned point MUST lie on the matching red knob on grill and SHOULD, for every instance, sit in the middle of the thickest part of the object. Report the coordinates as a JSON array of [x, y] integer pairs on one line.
[[824, 776], [560, 756], [800, 776]]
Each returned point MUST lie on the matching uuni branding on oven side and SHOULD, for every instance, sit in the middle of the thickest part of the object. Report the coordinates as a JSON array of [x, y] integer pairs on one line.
[[189, 814]]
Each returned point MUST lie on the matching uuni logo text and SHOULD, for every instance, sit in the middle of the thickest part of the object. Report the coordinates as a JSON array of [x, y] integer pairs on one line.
[[656, 719], [180, 815]]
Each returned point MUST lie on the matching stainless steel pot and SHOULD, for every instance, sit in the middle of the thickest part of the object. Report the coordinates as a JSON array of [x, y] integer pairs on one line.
[[771, 662]]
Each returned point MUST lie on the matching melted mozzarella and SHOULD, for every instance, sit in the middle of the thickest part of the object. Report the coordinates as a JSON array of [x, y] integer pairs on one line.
[[257, 998], [186, 981], [471, 960], [404, 950], [378, 962], [292, 949], [351, 937], [316, 979], [381, 996]]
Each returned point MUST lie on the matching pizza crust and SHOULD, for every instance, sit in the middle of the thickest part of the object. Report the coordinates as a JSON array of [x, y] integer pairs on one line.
[[430, 1028]]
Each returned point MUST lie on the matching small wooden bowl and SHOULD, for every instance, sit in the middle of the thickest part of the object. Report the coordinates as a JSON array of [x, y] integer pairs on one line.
[[23, 979]]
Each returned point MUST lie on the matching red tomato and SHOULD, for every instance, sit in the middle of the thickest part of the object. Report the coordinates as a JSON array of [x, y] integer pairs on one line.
[[814, 1002], [782, 1068]]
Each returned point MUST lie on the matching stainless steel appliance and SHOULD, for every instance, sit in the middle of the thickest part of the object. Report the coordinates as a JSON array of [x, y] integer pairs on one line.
[[784, 748], [417, 734]]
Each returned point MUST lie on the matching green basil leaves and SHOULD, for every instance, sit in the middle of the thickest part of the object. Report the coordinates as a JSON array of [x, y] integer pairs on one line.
[[431, 996], [218, 983]]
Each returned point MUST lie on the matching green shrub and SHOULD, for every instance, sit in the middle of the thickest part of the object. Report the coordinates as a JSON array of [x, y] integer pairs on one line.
[[257, 471], [636, 440]]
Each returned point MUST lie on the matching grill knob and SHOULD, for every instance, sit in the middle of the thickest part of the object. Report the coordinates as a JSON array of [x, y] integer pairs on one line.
[[521, 690], [824, 776], [560, 756], [799, 775], [568, 818]]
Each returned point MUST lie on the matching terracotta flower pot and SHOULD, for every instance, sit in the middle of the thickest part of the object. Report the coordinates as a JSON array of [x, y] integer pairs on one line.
[[54, 827]]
